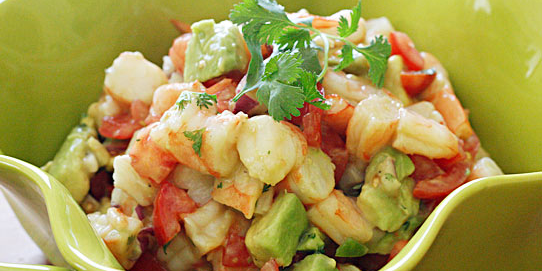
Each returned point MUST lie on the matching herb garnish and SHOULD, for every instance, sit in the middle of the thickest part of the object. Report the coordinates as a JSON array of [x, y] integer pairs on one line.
[[266, 188], [287, 79], [202, 99], [166, 246], [219, 185], [196, 137]]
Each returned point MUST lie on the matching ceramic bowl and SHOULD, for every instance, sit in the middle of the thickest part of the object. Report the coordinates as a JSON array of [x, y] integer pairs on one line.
[[52, 59]]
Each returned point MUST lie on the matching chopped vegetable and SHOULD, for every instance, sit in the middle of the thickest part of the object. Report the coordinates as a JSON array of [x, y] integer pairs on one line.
[[351, 248]]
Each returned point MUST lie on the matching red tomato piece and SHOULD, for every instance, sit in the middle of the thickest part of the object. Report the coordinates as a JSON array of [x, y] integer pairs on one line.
[[312, 122], [397, 248], [149, 160], [169, 204], [415, 82], [334, 146], [267, 50], [147, 262], [270, 265], [119, 127], [235, 253], [424, 168], [402, 45], [444, 184]]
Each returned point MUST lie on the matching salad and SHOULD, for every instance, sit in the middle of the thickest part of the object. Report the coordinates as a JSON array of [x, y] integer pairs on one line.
[[270, 141]]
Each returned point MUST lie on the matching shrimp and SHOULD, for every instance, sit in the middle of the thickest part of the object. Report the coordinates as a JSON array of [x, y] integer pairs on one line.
[[270, 149], [419, 135], [132, 77], [207, 227], [198, 185], [340, 218], [350, 87], [216, 143], [339, 113], [372, 126], [240, 191], [177, 51], [165, 96], [181, 254]]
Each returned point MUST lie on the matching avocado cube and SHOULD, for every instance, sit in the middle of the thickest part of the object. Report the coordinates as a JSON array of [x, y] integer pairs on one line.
[[312, 240], [276, 234], [315, 262]]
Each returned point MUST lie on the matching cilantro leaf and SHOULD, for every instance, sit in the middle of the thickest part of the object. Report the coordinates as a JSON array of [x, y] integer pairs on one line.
[[264, 18], [266, 188], [377, 54], [310, 60], [255, 68], [195, 136], [346, 57], [281, 99], [344, 29], [307, 82], [205, 100], [283, 67], [294, 38]]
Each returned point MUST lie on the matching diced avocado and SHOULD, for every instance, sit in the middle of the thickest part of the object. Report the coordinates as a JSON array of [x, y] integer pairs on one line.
[[312, 240], [351, 248], [316, 262], [347, 267], [276, 234], [383, 242], [213, 50], [392, 79], [386, 197], [68, 166]]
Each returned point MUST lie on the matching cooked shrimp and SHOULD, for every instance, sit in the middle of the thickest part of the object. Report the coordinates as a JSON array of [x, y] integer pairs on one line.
[[419, 135], [181, 254], [239, 191], [217, 147], [165, 96], [340, 218], [270, 149], [339, 113], [377, 27], [198, 185], [372, 126], [177, 51], [350, 87], [427, 110], [132, 77], [484, 167]]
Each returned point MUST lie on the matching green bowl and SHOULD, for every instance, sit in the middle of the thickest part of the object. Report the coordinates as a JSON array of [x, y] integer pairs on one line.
[[52, 59]]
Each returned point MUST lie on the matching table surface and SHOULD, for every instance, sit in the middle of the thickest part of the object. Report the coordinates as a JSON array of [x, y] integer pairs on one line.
[[15, 244]]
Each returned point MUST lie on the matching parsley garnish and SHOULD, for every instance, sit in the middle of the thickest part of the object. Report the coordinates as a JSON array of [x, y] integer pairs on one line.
[[219, 185], [196, 137], [202, 99], [288, 78], [266, 188]]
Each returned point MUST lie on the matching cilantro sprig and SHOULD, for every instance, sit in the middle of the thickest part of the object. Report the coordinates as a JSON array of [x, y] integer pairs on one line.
[[287, 79], [195, 136], [202, 99]]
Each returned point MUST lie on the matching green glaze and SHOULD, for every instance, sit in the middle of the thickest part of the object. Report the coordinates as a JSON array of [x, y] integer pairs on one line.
[[52, 59]]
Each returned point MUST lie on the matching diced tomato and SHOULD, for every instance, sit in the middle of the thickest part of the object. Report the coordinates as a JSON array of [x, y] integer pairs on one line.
[[234, 75], [124, 125], [147, 262], [169, 204], [149, 160], [235, 253], [415, 82], [447, 164], [339, 114], [453, 113], [270, 265], [472, 145], [402, 45], [397, 248], [424, 168], [119, 127], [444, 184], [334, 146], [312, 122]]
